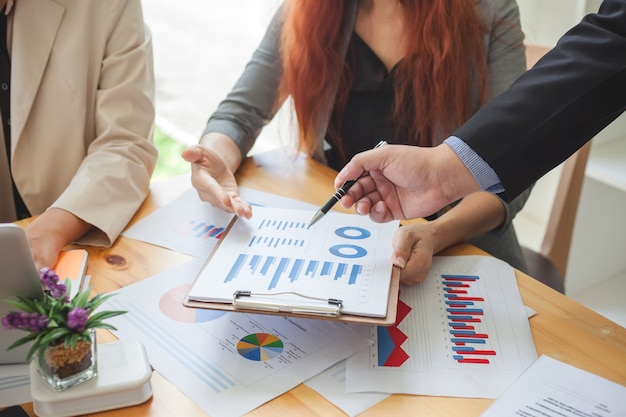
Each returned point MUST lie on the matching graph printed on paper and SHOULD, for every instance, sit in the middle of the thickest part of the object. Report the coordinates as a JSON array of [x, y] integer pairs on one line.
[[346, 257], [447, 321]]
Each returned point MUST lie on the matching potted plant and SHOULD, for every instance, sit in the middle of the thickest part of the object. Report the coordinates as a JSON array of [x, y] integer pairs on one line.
[[61, 330]]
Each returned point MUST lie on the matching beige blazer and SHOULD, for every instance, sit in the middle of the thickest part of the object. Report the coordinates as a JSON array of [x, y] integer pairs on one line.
[[82, 111]]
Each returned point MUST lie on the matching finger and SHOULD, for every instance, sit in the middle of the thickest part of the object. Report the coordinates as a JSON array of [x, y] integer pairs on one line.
[[412, 253], [380, 213], [44, 257], [349, 172], [240, 206], [363, 189], [363, 206], [192, 154]]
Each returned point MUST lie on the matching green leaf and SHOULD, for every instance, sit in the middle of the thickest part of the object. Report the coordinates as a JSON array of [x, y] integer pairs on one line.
[[22, 303], [98, 299], [81, 299], [106, 326], [72, 340], [98, 317], [34, 348], [54, 335], [68, 285], [23, 340]]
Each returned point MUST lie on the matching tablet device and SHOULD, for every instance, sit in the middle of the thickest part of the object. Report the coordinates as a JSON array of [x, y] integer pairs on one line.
[[18, 275]]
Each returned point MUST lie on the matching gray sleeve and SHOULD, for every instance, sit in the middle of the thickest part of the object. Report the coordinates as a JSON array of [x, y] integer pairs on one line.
[[251, 103], [506, 52]]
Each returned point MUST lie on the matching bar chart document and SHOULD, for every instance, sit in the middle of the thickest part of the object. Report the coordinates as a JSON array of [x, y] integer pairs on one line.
[[463, 332], [278, 260], [192, 226]]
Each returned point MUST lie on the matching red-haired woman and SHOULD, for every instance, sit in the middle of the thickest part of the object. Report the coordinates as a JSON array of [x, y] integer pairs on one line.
[[358, 71]]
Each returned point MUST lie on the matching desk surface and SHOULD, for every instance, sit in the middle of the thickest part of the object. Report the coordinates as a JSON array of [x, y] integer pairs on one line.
[[562, 328]]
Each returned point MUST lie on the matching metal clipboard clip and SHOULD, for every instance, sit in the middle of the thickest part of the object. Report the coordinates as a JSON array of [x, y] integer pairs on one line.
[[278, 303]]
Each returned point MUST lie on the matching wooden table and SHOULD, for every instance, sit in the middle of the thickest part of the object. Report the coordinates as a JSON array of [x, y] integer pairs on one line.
[[562, 328]]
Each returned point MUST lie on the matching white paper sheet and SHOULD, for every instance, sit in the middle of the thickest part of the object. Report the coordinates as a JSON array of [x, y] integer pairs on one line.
[[209, 355], [331, 384], [191, 226], [550, 388], [427, 352], [274, 254]]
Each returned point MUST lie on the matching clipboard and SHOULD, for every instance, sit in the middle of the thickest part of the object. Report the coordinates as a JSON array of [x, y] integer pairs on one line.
[[298, 301], [320, 311]]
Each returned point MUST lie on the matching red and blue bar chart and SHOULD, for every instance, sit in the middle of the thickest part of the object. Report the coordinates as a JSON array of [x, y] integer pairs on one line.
[[199, 229], [465, 314]]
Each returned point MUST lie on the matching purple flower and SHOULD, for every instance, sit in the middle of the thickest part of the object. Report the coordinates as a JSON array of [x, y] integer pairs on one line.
[[50, 281], [33, 322], [76, 319]]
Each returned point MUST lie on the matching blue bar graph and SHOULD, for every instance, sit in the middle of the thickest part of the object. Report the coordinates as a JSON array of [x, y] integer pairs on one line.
[[311, 268], [266, 266], [254, 263], [460, 277], [275, 242], [465, 310], [459, 303], [341, 268], [354, 274], [466, 318], [295, 270], [291, 269], [236, 267], [280, 225], [460, 340], [282, 265]]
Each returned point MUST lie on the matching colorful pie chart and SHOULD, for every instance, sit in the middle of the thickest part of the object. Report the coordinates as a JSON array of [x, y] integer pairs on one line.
[[260, 346]]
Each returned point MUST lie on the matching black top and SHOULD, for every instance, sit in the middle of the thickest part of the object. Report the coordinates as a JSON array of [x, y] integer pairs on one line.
[[366, 118], [5, 108]]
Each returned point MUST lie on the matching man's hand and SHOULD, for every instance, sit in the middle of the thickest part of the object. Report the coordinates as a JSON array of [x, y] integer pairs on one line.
[[405, 182]]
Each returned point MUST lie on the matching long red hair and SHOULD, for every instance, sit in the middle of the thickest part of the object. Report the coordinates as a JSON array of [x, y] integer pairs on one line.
[[439, 82]]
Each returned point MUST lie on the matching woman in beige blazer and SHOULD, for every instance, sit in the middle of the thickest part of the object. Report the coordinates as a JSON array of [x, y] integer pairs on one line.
[[81, 119]]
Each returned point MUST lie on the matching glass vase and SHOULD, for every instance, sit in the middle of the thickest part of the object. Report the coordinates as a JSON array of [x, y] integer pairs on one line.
[[63, 367]]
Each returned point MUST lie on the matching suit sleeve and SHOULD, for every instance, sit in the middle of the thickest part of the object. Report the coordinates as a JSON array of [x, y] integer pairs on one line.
[[114, 177], [571, 94]]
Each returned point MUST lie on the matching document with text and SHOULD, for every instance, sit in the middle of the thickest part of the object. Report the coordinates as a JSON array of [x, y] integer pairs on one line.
[[551, 388]]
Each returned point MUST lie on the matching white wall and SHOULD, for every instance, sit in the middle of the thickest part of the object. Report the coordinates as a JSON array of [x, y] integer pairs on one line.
[[597, 254]]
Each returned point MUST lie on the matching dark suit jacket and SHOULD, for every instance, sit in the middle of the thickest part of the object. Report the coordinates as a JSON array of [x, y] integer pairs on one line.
[[571, 94]]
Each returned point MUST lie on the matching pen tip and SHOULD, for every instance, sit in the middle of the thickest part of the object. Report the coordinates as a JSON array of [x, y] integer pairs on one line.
[[315, 218]]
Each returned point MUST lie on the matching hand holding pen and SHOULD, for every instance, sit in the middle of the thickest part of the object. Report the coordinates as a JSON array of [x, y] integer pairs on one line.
[[341, 191]]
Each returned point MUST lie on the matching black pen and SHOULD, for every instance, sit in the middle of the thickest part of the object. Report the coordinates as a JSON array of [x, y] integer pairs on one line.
[[341, 191]]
